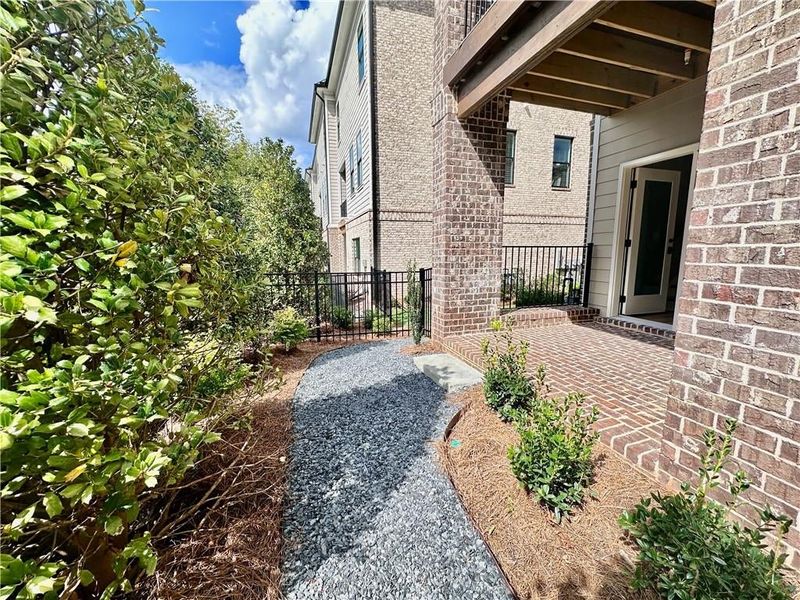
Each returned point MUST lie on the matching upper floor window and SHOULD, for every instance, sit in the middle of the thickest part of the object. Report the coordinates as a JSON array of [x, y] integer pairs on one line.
[[562, 160], [511, 154], [359, 179], [360, 51], [338, 120], [352, 169], [343, 192]]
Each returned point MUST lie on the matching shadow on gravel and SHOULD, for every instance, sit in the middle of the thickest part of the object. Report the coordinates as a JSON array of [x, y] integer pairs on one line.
[[351, 452]]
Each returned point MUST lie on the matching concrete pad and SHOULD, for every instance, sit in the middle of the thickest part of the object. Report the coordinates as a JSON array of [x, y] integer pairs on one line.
[[448, 372]]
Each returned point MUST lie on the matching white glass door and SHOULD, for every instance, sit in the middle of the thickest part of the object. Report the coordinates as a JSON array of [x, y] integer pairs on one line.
[[651, 239]]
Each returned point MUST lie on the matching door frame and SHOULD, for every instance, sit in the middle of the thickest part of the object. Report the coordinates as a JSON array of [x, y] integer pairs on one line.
[[621, 221]]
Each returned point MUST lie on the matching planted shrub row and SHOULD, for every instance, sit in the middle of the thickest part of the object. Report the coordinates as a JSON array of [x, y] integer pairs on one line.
[[688, 546]]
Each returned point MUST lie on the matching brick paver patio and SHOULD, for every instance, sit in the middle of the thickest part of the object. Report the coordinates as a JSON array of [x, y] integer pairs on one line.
[[626, 373]]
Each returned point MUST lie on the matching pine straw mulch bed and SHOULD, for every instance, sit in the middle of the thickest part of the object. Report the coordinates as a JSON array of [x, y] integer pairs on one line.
[[581, 559], [427, 347], [231, 545]]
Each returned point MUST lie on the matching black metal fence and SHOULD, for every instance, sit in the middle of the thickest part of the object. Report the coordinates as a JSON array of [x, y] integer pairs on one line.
[[545, 275], [474, 11], [353, 305], [426, 279]]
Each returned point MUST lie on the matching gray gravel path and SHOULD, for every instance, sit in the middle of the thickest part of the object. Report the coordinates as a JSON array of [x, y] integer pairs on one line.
[[370, 514]]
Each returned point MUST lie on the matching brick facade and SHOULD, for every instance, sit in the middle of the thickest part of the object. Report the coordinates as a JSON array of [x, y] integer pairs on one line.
[[737, 349], [535, 213], [468, 176], [401, 43]]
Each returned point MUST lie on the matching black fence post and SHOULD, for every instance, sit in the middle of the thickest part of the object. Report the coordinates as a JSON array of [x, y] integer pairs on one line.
[[421, 306], [587, 274], [316, 305]]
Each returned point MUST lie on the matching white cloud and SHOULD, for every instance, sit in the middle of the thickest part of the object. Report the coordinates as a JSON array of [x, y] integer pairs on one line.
[[283, 53]]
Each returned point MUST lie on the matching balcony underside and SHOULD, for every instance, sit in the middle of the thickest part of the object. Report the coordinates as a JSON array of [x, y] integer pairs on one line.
[[593, 56]]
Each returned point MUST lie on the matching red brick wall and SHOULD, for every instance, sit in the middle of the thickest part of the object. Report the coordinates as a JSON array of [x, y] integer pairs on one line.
[[737, 351], [468, 175]]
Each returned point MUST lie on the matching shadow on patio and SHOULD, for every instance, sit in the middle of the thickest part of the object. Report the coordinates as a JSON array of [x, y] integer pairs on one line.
[[625, 373]]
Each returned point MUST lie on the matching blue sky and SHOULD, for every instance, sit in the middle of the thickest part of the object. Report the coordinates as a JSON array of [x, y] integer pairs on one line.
[[260, 58], [198, 31]]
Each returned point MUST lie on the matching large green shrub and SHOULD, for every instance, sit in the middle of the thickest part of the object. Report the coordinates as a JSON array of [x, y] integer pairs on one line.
[[505, 385], [111, 257], [690, 550], [553, 459]]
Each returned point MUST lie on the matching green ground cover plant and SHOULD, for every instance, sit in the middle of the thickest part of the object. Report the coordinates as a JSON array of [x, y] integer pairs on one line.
[[691, 549]]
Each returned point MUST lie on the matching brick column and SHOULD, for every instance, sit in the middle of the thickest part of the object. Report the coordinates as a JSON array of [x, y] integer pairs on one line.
[[737, 351], [468, 180]]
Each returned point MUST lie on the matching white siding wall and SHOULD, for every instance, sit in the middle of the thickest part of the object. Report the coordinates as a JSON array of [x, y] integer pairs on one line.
[[668, 121], [354, 104], [319, 190], [332, 159]]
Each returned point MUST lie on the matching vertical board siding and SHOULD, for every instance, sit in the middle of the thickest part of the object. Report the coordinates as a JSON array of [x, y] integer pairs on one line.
[[666, 122]]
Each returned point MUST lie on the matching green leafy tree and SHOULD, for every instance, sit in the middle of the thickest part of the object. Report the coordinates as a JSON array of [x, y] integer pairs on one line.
[[112, 256], [288, 235], [260, 189]]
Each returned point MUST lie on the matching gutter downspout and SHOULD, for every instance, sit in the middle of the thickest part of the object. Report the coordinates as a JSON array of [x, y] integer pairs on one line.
[[592, 179], [374, 138], [327, 172]]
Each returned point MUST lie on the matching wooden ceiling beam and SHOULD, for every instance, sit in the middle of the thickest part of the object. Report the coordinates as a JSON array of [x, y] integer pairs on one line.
[[482, 34], [660, 23], [572, 91], [534, 98], [552, 25], [574, 69], [630, 53]]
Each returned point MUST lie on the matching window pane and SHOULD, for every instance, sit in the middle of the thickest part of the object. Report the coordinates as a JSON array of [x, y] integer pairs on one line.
[[360, 51], [562, 150], [509, 171], [511, 143], [560, 175]]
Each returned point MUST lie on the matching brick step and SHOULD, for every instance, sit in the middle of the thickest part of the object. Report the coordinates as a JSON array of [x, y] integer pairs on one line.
[[544, 316], [623, 323]]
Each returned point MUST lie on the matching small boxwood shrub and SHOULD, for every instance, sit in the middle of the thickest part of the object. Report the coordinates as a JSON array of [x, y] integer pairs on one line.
[[690, 550], [382, 324], [553, 459], [370, 316], [288, 328], [505, 385], [342, 317]]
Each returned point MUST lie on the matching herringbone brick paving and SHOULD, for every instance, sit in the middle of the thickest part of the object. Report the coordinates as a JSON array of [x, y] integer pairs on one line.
[[625, 373]]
